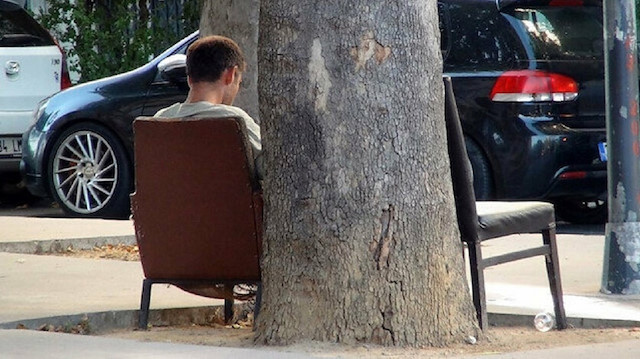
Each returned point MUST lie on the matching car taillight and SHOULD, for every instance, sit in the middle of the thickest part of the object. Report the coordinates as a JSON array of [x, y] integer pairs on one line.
[[573, 175], [534, 86], [65, 79]]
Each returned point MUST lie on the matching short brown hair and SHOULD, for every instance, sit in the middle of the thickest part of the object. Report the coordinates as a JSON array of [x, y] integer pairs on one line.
[[209, 56]]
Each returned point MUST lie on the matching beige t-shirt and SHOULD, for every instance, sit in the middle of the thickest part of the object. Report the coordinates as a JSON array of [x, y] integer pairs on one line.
[[207, 109]]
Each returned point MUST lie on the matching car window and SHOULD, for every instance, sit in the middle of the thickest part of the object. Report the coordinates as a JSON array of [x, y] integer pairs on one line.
[[18, 29], [183, 49], [445, 42], [562, 33], [480, 39]]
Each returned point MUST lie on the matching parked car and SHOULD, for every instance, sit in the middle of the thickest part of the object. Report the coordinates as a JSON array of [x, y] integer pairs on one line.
[[33, 67], [529, 83], [79, 148]]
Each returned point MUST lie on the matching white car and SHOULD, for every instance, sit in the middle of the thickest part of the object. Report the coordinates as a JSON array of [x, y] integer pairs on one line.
[[32, 67]]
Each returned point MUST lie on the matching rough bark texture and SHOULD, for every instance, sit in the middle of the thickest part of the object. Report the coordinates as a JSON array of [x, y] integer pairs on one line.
[[361, 243], [239, 21]]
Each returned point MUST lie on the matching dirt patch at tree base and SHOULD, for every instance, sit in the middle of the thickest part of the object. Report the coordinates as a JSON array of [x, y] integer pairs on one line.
[[499, 340]]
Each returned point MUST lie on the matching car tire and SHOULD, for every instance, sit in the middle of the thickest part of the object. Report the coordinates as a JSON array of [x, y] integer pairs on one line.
[[482, 178], [582, 211], [89, 173]]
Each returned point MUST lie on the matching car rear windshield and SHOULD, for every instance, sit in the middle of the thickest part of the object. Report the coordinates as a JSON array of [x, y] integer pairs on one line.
[[561, 33], [18, 29]]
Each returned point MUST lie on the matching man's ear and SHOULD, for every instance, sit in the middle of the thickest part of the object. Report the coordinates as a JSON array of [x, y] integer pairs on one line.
[[229, 75]]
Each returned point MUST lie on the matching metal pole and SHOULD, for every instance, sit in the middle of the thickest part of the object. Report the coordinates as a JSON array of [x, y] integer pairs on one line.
[[621, 272]]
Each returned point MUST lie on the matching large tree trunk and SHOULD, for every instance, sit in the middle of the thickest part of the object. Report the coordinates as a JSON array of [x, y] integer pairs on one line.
[[239, 21], [361, 242]]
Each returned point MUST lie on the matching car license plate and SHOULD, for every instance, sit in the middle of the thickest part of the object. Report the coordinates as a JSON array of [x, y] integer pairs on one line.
[[602, 149], [10, 146]]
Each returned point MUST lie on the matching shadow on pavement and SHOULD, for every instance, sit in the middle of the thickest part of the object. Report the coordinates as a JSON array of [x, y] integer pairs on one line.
[[587, 229], [20, 203]]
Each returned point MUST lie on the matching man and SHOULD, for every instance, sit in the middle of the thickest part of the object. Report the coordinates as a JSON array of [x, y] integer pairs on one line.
[[214, 73]]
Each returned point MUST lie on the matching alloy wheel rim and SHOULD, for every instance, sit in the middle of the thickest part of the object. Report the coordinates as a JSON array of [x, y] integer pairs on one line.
[[85, 172]]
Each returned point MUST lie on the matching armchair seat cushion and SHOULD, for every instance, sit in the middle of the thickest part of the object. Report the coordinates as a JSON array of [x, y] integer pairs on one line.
[[497, 219]]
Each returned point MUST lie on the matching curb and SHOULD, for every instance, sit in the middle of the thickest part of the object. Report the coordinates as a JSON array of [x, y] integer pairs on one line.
[[516, 320], [62, 245], [103, 322]]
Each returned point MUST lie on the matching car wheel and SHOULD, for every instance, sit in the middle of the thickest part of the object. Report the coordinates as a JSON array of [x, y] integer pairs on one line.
[[482, 178], [89, 174], [582, 211]]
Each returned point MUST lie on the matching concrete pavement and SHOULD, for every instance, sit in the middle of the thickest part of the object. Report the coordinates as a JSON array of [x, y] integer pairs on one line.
[[56, 290], [33, 344]]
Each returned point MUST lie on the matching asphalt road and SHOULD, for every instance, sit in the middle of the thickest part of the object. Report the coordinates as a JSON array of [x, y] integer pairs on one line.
[[19, 202]]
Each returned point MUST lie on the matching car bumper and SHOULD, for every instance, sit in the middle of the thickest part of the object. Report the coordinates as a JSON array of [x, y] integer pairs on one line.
[[33, 144], [579, 183], [9, 165], [550, 166]]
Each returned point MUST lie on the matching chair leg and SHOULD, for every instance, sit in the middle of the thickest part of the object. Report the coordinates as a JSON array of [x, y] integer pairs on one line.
[[143, 318], [477, 283], [228, 304], [553, 272]]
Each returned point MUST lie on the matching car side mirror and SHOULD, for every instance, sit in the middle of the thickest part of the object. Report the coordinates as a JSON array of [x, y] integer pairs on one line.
[[174, 68]]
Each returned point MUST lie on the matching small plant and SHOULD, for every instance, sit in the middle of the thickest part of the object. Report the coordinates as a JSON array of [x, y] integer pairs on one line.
[[107, 37]]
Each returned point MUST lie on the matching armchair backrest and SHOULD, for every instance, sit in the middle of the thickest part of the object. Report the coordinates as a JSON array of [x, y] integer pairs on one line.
[[461, 171], [195, 211]]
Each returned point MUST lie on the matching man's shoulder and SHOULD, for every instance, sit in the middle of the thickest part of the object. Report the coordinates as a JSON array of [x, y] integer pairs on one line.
[[203, 109], [168, 111], [227, 110]]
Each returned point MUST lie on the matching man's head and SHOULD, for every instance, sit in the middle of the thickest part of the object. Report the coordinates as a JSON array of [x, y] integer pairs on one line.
[[216, 59]]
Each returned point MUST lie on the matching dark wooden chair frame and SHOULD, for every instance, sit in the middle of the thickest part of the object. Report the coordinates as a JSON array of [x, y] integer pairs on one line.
[[145, 300], [482, 220]]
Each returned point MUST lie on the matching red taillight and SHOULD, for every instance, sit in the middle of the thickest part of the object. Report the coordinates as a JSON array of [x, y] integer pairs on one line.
[[534, 86], [65, 79], [573, 175]]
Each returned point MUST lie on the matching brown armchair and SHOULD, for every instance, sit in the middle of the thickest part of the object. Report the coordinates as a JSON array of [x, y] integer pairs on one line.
[[197, 207]]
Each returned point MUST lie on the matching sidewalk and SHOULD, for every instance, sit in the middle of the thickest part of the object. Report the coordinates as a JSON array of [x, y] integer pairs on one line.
[[521, 287], [50, 289]]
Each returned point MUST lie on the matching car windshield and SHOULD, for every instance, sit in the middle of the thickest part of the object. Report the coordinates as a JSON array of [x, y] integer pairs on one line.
[[561, 33]]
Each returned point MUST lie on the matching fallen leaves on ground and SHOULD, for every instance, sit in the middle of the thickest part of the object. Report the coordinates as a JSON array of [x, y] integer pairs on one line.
[[122, 252]]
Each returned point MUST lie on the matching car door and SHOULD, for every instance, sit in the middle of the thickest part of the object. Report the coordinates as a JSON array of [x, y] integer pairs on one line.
[[163, 92]]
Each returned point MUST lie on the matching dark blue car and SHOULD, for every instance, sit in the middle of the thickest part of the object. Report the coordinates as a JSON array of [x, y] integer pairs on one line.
[[80, 148]]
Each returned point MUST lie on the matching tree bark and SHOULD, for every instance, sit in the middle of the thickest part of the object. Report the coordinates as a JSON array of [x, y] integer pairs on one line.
[[361, 242], [239, 21]]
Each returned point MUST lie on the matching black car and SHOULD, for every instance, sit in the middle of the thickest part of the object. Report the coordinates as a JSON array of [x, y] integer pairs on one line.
[[529, 83], [80, 148]]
